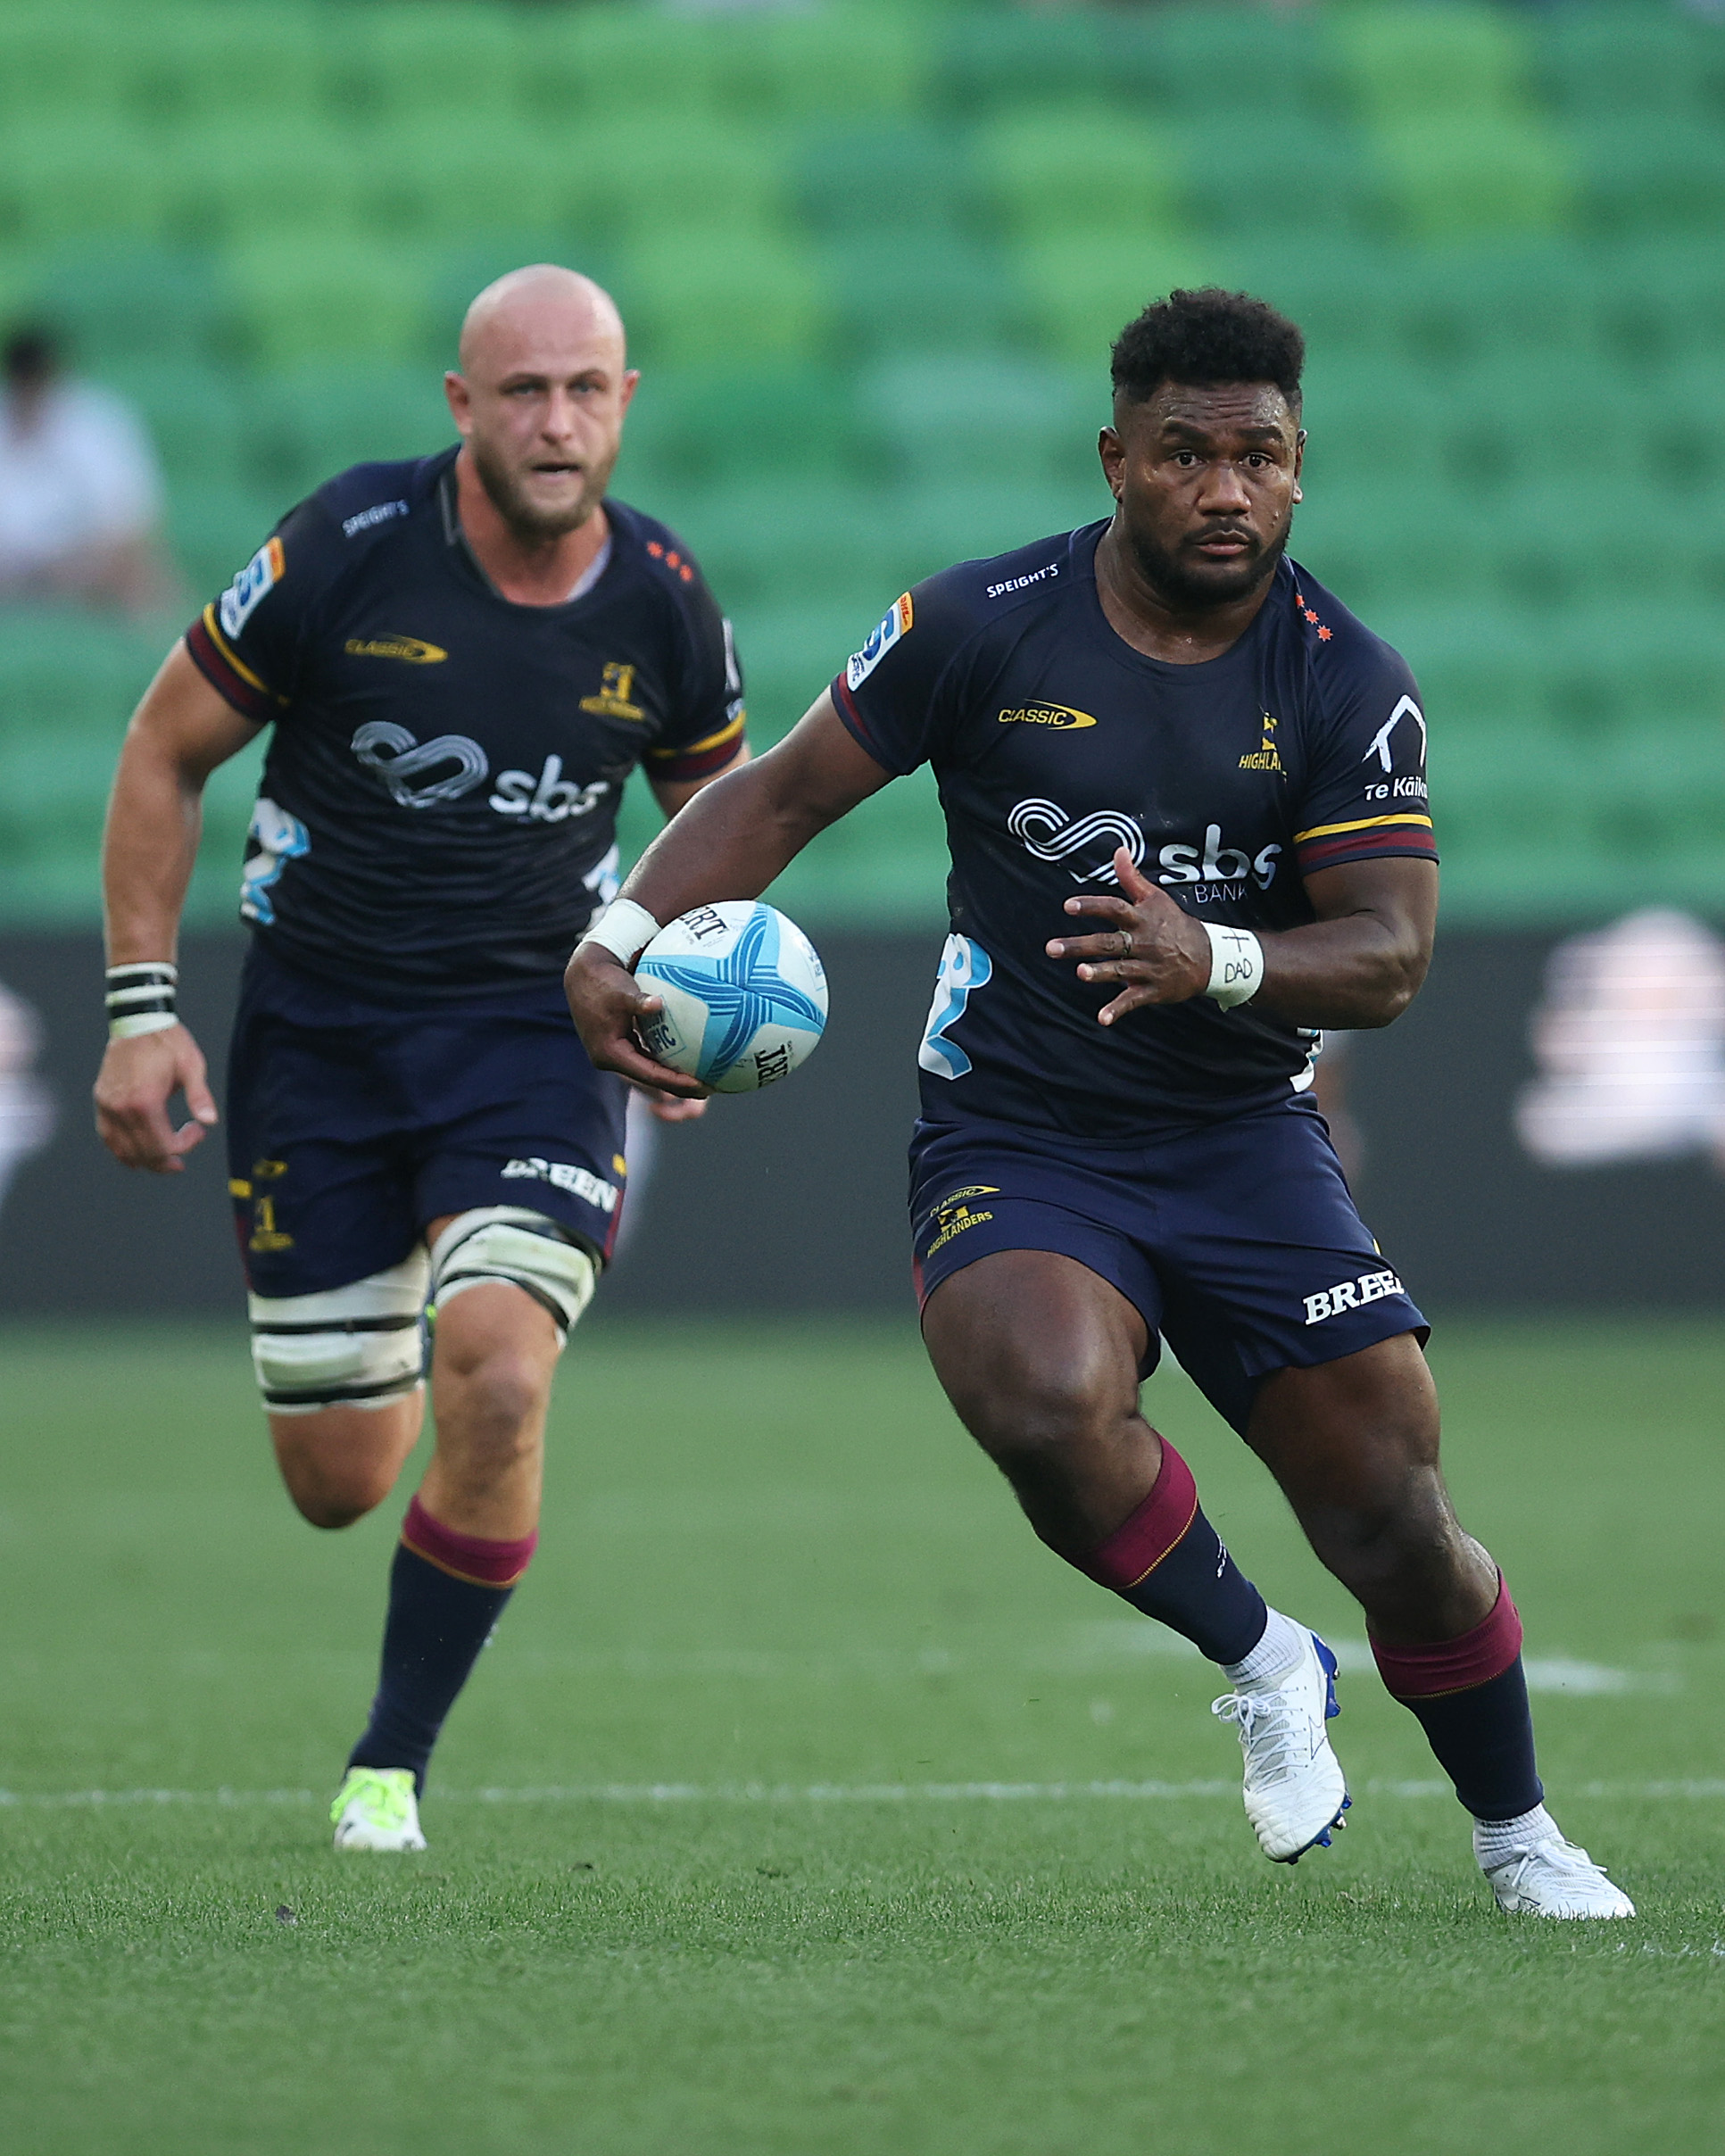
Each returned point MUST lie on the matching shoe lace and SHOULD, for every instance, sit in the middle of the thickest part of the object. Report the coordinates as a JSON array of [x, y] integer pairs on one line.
[[383, 1800], [1275, 1734]]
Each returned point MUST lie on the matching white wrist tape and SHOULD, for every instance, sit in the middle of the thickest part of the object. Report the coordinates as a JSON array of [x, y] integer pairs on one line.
[[1236, 965], [624, 929], [141, 999]]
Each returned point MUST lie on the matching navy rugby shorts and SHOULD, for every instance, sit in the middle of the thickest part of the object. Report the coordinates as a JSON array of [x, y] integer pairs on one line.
[[1237, 1241], [352, 1123]]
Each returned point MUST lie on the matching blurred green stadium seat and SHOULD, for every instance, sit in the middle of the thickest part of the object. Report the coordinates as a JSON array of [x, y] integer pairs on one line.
[[1024, 59], [1593, 61], [78, 178], [1639, 179], [432, 58], [831, 63], [903, 178], [1473, 176], [989, 416], [231, 185], [184, 65], [1289, 177], [702, 428], [196, 415], [1430, 63], [721, 297], [1184, 62], [294, 298], [942, 294], [118, 301], [306, 424], [1080, 294], [1059, 175]]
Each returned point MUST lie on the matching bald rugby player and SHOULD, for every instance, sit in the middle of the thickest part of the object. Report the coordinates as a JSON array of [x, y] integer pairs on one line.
[[1186, 801], [462, 660]]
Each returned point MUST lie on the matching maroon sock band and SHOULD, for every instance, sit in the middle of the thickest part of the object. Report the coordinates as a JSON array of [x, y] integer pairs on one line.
[[470, 1557], [1454, 1665], [1134, 1550]]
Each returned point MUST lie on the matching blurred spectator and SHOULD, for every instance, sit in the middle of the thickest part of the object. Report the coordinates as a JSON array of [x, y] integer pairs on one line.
[[80, 492], [26, 1114], [1631, 1043]]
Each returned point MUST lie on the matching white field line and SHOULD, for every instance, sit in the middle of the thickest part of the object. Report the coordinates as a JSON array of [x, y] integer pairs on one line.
[[811, 1793]]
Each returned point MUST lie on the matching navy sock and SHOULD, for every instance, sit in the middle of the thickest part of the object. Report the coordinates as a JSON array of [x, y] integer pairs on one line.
[[1470, 1696], [432, 1637], [1483, 1740], [1168, 1561]]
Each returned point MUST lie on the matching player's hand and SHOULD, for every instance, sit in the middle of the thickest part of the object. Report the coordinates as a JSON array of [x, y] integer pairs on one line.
[[1161, 954], [137, 1080], [664, 1108], [607, 1005]]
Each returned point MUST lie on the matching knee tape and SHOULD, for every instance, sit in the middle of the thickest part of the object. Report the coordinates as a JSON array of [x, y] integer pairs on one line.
[[523, 1250], [361, 1346]]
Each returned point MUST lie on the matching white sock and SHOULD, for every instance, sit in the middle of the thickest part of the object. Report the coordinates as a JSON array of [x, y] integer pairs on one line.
[[1281, 1648], [1495, 1841]]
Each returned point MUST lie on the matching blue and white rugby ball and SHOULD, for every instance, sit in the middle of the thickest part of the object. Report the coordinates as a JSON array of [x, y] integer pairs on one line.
[[745, 995]]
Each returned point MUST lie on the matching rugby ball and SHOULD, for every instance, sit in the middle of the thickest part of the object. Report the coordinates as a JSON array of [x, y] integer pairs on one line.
[[745, 995]]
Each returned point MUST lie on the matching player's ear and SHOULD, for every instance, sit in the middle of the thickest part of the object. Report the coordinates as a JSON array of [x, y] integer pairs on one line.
[[631, 383], [460, 401], [1113, 453]]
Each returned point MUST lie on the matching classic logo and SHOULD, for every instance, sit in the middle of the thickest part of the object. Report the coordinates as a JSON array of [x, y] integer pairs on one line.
[[261, 575], [616, 688], [897, 623], [1264, 758], [1046, 830], [1062, 717], [414, 650]]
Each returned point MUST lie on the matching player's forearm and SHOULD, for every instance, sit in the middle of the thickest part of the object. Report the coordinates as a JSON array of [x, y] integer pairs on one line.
[[732, 839], [155, 819], [1359, 972]]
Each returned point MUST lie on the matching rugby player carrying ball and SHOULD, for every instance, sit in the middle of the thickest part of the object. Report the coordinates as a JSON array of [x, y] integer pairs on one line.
[[1164, 730]]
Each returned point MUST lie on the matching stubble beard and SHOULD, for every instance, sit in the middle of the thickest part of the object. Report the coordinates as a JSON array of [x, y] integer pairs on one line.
[[527, 520], [1176, 582]]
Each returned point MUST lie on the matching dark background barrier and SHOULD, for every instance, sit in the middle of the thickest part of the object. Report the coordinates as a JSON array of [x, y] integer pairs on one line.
[[794, 1199]]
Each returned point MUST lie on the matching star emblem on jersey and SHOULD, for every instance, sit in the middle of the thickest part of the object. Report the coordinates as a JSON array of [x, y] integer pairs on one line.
[[1264, 757], [743, 991]]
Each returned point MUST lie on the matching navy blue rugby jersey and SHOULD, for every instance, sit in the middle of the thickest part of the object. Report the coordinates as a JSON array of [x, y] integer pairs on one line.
[[438, 809], [1055, 742]]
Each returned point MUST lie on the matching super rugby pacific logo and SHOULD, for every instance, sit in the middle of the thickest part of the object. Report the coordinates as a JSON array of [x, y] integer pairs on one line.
[[897, 623], [259, 577]]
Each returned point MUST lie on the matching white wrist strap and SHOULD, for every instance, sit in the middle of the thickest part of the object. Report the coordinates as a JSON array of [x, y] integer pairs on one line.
[[141, 998], [624, 929], [1236, 965]]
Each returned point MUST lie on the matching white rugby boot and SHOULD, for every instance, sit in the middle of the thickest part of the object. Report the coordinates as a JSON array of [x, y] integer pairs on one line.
[[1545, 1876], [1296, 1792], [376, 1808]]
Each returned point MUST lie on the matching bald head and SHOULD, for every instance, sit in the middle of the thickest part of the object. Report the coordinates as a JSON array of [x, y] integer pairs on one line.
[[535, 310], [543, 385]]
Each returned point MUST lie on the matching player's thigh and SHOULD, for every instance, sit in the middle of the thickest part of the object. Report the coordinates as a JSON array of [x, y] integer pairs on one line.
[[1354, 1439], [339, 1463], [1033, 1348]]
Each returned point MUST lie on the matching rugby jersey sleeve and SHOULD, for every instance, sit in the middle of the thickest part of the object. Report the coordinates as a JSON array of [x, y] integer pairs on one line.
[[896, 696], [247, 643], [706, 725], [1364, 793]]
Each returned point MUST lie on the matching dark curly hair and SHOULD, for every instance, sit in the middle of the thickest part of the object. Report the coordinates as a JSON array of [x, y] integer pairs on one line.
[[1207, 337]]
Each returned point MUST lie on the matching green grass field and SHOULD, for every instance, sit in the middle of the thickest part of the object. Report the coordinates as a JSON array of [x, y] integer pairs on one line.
[[804, 1804]]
